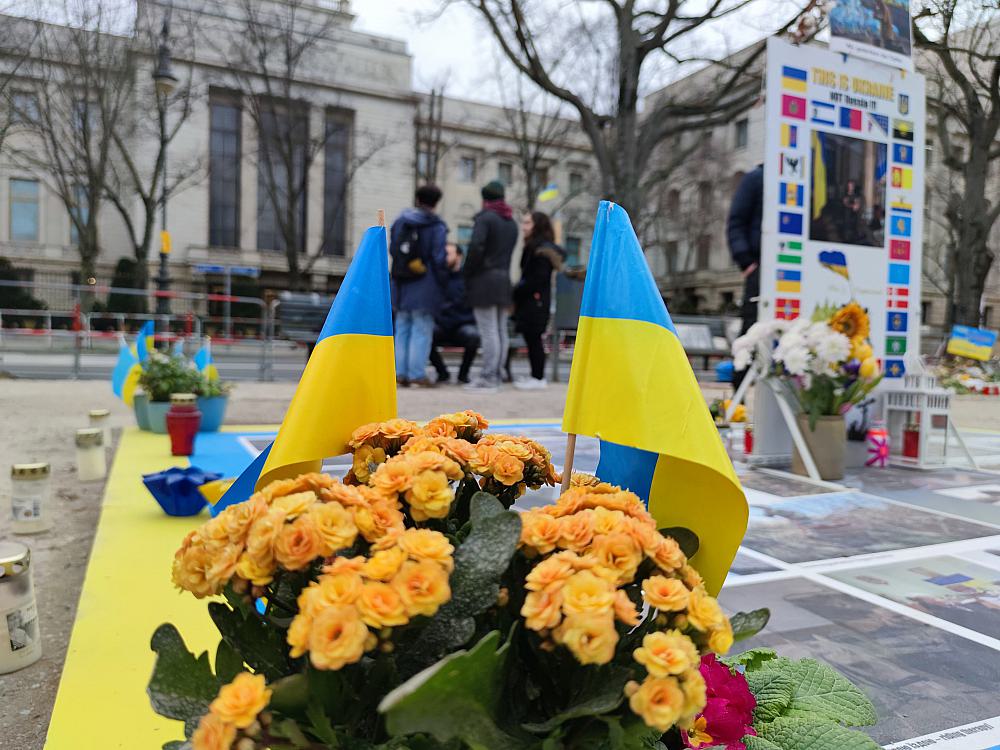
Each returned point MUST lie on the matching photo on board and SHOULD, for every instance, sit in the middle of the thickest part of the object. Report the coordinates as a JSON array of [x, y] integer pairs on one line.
[[848, 190]]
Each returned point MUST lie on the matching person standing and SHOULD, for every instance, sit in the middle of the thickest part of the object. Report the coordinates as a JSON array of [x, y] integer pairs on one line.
[[487, 281], [743, 233], [419, 274], [540, 258], [455, 325]]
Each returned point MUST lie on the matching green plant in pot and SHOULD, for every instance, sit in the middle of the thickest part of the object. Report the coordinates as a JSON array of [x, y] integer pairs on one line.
[[163, 376], [213, 398]]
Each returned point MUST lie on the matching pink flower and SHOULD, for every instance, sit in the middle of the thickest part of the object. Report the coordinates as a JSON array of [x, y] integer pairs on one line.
[[728, 714]]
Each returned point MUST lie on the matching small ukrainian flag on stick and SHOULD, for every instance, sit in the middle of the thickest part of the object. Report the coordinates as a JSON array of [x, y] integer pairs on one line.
[[203, 360], [631, 386], [349, 380], [549, 193], [125, 376], [146, 341]]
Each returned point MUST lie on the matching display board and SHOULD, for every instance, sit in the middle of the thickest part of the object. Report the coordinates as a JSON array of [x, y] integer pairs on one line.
[[843, 193], [877, 30]]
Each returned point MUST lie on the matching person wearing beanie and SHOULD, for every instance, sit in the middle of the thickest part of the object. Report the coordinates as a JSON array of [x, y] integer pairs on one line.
[[487, 281]]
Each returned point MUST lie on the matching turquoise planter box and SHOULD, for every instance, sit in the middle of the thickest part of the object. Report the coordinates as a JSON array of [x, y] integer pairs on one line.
[[213, 412], [140, 405], [157, 413]]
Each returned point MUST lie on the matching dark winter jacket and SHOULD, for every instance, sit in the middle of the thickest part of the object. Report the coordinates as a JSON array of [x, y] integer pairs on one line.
[[455, 311], [533, 293], [426, 292], [743, 225], [487, 265]]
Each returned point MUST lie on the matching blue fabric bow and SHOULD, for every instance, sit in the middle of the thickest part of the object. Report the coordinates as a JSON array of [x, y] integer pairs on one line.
[[176, 489]]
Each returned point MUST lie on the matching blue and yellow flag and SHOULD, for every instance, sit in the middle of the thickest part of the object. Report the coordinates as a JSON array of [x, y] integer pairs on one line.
[[203, 360], [125, 376], [349, 380], [146, 341], [834, 260], [632, 387]]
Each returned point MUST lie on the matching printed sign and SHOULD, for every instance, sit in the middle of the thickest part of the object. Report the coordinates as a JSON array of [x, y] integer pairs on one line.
[[878, 31], [974, 343]]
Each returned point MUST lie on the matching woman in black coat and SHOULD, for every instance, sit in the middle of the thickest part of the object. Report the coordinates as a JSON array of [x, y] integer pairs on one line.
[[540, 258]]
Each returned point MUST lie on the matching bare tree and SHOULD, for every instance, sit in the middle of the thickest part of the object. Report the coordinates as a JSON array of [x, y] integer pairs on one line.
[[962, 40], [137, 174], [269, 52], [17, 37], [548, 50], [81, 81], [430, 141]]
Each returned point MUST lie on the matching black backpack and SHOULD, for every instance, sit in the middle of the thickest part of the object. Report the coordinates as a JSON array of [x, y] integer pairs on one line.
[[408, 261]]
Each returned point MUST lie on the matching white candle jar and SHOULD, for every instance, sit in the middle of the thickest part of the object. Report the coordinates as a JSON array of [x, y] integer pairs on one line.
[[102, 418], [30, 496], [20, 642], [90, 463]]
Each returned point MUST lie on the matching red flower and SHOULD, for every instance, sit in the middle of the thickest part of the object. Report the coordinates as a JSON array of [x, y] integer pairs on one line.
[[728, 714]]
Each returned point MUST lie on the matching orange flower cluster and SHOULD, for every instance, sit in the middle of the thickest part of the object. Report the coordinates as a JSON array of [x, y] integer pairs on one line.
[[423, 479], [406, 576], [287, 525], [511, 460], [467, 425], [233, 712], [593, 546]]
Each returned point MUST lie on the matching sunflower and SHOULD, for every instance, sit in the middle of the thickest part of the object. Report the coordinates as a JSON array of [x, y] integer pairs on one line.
[[852, 321]]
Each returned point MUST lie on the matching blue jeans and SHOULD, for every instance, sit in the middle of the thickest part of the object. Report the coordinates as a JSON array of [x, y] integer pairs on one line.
[[413, 336]]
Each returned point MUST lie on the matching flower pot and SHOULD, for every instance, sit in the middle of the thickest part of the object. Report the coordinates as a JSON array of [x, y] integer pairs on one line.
[[827, 443], [157, 412], [140, 405], [213, 412]]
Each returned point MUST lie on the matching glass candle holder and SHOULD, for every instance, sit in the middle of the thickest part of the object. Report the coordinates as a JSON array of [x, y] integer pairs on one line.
[[90, 463], [20, 643], [30, 498], [102, 418]]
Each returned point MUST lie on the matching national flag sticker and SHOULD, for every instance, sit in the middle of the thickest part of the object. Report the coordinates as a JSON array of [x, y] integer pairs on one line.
[[902, 130], [895, 345], [899, 273], [895, 368], [789, 135], [899, 249], [793, 79], [822, 112], [902, 153], [792, 166], [902, 177], [793, 107], [788, 280], [790, 194], [878, 124], [900, 225], [786, 308], [850, 118], [897, 298], [789, 223], [896, 322]]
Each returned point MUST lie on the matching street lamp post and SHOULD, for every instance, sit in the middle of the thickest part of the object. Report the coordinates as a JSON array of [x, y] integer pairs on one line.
[[165, 81]]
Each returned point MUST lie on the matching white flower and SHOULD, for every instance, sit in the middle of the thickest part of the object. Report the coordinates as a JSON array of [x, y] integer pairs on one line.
[[796, 360], [833, 348]]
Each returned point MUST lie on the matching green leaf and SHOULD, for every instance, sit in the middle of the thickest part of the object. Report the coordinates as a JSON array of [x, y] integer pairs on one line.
[[182, 685], [289, 729], [751, 659], [176, 745], [321, 726], [759, 743], [748, 624], [482, 506], [480, 561], [773, 690], [687, 539], [456, 698], [607, 696], [259, 644], [228, 663], [813, 734], [821, 692], [290, 695]]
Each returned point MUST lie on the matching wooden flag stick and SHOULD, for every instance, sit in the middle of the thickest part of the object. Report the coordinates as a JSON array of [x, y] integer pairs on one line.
[[568, 463], [380, 217]]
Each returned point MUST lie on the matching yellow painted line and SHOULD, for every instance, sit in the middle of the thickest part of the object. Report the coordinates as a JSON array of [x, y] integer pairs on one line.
[[127, 593]]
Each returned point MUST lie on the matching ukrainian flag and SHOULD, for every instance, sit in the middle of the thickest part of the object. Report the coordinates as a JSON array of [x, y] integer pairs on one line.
[[632, 387], [549, 192], [834, 260], [203, 360], [349, 380], [793, 79], [125, 376], [146, 342]]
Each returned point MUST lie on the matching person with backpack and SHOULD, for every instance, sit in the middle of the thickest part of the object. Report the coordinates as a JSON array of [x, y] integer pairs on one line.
[[419, 276], [540, 258], [487, 281]]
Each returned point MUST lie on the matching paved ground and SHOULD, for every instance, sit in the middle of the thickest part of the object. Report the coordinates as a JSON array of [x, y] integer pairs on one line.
[[37, 420]]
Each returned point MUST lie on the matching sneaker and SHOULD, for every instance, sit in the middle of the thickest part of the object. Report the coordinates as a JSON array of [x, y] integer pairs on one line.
[[443, 378], [531, 384], [464, 379], [481, 386], [402, 382], [422, 383]]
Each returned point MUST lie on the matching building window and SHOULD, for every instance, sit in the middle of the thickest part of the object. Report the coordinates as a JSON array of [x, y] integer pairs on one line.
[[704, 249], [466, 169], [572, 249], [575, 183], [463, 235], [423, 166], [224, 155], [728, 302], [673, 201], [23, 108], [281, 182], [81, 212], [987, 317], [336, 153], [742, 132], [505, 172], [925, 311], [24, 210], [670, 255], [705, 197]]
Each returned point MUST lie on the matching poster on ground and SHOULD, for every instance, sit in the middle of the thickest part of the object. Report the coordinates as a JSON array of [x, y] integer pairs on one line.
[[843, 193], [876, 30]]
